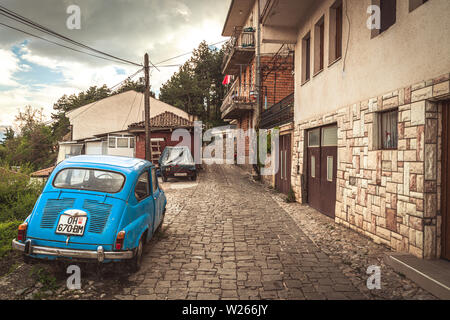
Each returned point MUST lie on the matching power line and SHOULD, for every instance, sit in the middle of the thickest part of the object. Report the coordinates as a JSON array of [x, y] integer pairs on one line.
[[185, 54], [59, 44], [17, 17], [94, 103], [129, 112]]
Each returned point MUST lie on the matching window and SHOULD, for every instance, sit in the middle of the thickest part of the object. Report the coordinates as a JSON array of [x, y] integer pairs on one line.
[[335, 32], [388, 129], [313, 166], [330, 169], [306, 61], [122, 142], [111, 142], [319, 38], [89, 179], [329, 136], [414, 4], [142, 189], [314, 138], [154, 181], [388, 14]]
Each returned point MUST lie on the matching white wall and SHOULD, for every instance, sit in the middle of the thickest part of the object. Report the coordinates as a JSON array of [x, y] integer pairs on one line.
[[94, 148], [414, 49], [115, 114]]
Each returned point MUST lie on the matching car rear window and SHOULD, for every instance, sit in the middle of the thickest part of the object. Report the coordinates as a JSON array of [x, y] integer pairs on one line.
[[177, 155], [89, 179]]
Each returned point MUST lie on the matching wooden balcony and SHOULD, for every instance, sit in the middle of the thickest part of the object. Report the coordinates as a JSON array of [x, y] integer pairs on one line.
[[279, 114], [238, 101], [240, 49]]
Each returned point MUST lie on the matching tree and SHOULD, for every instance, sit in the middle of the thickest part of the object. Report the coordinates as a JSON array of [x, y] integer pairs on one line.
[[133, 85], [34, 143], [197, 86]]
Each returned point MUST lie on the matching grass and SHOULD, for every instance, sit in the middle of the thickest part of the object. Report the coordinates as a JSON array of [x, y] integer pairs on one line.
[[17, 198], [43, 276], [8, 231]]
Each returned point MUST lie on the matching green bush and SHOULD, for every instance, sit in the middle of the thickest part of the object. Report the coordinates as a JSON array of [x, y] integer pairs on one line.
[[291, 196], [8, 231], [17, 195]]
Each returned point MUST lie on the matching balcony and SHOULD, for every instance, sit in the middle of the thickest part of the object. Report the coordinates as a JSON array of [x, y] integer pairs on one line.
[[279, 114], [240, 49], [239, 100]]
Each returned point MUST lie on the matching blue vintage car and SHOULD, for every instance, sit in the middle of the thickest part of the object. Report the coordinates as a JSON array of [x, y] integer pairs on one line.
[[95, 208]]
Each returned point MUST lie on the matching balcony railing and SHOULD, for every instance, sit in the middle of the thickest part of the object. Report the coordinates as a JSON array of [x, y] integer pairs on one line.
[[240, 98], [239, 49], [278, 114]]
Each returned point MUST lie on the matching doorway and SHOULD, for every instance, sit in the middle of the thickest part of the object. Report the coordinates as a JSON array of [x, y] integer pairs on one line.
[[283, 175], [322, 169], [445, 198]]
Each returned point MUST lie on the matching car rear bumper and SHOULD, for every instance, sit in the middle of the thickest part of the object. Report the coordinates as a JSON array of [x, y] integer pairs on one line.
[[99, 255]]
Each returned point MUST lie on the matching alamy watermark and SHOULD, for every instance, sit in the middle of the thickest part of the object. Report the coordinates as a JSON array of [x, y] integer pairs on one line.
[[73, 22], [374, 21], [74, 280], [374, 280], [223, 145]]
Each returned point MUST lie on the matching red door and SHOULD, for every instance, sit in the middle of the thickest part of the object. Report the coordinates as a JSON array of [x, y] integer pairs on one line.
[[445, 198], [321, 166]]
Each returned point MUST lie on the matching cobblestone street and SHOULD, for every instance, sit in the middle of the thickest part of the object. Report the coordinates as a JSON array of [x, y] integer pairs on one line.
[[227, 237]]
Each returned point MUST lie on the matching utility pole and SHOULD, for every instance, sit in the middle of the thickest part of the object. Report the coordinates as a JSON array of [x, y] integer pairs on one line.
[[258, 88], [148, 145]]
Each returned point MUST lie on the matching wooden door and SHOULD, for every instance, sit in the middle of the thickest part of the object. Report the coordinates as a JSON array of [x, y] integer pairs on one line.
[[283, 176], [328, 163], [321, 166], [445, 198]]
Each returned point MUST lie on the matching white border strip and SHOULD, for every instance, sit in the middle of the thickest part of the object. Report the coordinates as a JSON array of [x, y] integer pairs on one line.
[[421, 273]]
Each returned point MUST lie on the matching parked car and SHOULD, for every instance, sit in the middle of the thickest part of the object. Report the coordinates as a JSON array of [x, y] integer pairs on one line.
[[95, 208], [177, 162]]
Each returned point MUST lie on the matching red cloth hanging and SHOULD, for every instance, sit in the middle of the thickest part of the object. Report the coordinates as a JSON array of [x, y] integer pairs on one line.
[[226, 80]]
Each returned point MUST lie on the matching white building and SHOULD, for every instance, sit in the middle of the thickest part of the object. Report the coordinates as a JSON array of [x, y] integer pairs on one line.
[[101, 127]]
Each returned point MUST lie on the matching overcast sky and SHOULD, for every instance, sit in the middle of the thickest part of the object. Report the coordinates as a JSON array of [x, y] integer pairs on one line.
[[37, 73]]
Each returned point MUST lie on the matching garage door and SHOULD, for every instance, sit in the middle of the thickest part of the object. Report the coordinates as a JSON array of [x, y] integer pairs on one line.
[[322, 168]]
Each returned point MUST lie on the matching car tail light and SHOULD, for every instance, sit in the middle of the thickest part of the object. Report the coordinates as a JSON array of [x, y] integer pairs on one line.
[[119, 240], [22, 232]]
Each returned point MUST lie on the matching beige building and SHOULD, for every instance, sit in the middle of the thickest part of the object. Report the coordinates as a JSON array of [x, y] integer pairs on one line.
[[115, 114], [276, 86], [102, 127], [371, 119]]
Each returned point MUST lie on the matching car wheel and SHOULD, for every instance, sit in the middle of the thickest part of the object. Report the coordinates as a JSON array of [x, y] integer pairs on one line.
[[136, 262], [194, 177]]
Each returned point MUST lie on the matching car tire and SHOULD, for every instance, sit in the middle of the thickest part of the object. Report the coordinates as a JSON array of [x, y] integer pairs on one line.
[[194, 177], [136, 262]]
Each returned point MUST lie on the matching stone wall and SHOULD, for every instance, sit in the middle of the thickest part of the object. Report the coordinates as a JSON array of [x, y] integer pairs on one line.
[[391, 196]]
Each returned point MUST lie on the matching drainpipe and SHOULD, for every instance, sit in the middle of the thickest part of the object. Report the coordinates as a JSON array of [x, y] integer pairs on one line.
[[258, 85]]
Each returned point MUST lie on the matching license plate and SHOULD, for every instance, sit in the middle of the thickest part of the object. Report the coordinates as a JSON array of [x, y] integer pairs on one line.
[[184, 174], [71, 225]]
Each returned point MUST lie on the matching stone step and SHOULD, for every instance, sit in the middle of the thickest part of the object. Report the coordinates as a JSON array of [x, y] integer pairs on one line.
[[431, 275]]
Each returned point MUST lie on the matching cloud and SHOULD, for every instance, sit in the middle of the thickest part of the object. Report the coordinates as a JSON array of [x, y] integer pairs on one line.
[[9, 64], [124, 28]]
